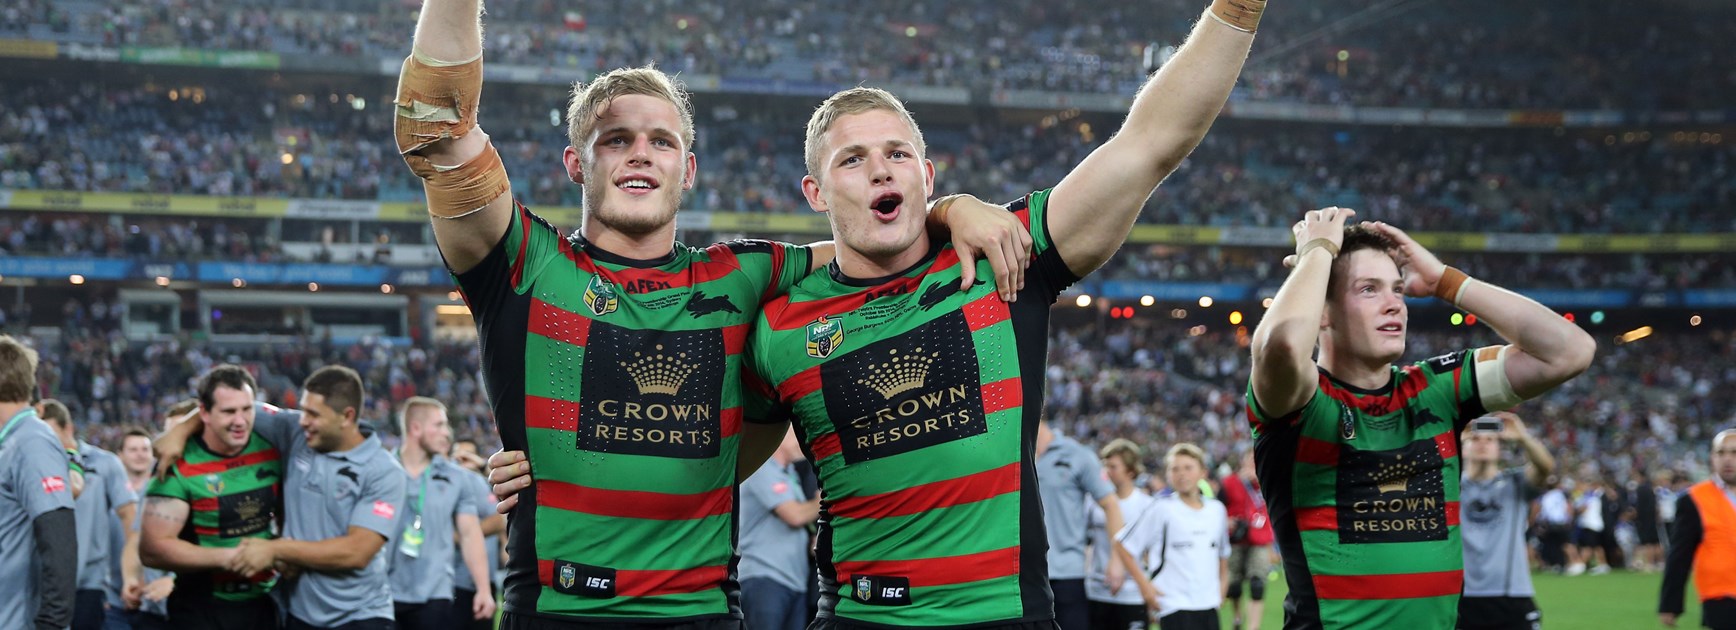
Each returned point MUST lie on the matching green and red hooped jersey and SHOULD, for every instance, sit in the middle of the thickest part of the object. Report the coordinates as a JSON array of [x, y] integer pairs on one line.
[[1363, 491], [621, 380], [231, 498], [918, 403]]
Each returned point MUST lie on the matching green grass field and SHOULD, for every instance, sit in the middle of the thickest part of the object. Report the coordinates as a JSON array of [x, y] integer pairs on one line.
[[1618, 601]]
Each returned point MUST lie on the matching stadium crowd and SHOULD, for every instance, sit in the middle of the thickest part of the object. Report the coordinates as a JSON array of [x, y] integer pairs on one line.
[[1058, 46], [60, 136]]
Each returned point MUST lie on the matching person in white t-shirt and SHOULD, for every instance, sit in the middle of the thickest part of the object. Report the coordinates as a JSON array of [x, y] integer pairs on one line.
[[1115, 601], [1184, 541]]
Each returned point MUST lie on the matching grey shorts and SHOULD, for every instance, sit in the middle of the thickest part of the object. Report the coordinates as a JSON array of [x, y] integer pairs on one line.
[[1248, 562]]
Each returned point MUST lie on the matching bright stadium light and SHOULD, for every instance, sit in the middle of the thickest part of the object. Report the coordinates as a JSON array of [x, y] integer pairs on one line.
[[1147, 301], [76, 279], [1083, 301], [385, 288], [1635, 334], [1457, 319], [1205, 301], [1235, 318], [162, 281], [313, 286], [237, 283], [1695, 320], [1266, 303]]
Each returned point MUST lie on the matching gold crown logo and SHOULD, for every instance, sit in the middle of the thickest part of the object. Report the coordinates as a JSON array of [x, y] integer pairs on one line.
[[900, 374], [249, 508], [659, 373], [1396, 475]]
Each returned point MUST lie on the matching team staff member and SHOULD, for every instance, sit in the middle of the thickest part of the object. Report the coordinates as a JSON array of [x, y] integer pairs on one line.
[[1704, 540], [440, 503], [105, 497], [342, 496], [775, 515], [1070, 479], [38, 530], [226, 489]]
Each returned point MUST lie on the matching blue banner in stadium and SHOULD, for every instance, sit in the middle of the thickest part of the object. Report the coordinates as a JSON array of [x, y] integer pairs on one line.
[[41, 267], [334, 275], [1709, 298], [1174, 291]]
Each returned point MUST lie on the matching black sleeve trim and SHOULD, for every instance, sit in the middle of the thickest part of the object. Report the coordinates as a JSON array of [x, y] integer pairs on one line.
[[57, 568], [1684, 540]]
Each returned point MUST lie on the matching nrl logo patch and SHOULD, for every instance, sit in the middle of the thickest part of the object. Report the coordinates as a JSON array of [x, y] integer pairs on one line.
[[864, 588], [600, 296], [824, 336], [214, 484], [568, 576]]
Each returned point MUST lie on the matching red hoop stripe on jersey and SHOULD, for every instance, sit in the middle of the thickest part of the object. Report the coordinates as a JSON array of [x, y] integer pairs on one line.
[[1003, 395], [192, 470], [826, 446], [1412, 384], [986, 311], [929, 496], [735, 338], [1318, 452], [1317, 518], [632, 503], [1447, 444], [550, 413], [558, 323], [630, 583], [799, 386], [1393, 586], [974, 567]]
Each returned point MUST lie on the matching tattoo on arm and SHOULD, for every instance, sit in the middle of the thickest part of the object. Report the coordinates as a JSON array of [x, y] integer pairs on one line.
[[166, 509]]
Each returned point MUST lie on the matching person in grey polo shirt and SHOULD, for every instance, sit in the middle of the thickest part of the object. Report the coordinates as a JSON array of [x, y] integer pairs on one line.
[[1494, 506], [493, 524], [1068, 474], [38, 531], [105, 496], [440, 502], [775, 516], [343, 495]]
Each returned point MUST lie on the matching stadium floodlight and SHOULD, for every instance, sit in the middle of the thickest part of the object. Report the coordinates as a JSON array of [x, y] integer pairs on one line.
[[1205, 301], [76, 279], [1695, 320], [1083, 300], [313, 286], [1147, 301]]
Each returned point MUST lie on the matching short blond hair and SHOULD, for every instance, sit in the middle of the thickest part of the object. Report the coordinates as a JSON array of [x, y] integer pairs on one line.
[[1130, 454], [855, 100], [17, 371], [410, 405], [590, 99], [1185, 449]]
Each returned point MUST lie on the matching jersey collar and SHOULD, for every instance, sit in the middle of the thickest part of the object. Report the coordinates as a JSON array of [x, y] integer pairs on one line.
[[837, 273], [598, 253]]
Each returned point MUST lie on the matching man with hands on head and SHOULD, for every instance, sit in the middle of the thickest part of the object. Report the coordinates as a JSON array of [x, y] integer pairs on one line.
[[1358, 458]]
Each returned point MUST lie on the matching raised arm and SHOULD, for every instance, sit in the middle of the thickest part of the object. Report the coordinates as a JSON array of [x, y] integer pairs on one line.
[[1539, 463], [1284, 375], [469, 197], [1546, 349], [1093, 208]]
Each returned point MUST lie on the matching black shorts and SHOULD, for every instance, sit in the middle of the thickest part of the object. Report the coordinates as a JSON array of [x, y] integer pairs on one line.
[[1107, 616], [1499, 613], [1648, 532], [1189, 620], [513, 621], [216, 614], [830, 623]]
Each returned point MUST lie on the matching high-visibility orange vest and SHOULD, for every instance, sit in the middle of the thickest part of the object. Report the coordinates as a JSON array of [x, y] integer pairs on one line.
[[1715, 559]]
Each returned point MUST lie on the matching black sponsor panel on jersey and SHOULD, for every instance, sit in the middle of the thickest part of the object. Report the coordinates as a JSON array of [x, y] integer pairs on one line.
[[657, 393], [1392, 496], [908, 392], [584, 580], [880, 590], [246, 513]]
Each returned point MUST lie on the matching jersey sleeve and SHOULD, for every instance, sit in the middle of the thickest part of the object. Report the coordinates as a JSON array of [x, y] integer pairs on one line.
[[477, 495], [1451, 387], [1141, 535], [277, 426], [172, 486], [768, 490], [761, 403], [529, 246], [773, 266], [119, 494], [1262, 423], [1089, 475], [381, 500], [1223, 532], [1048, 275], [42, 476]]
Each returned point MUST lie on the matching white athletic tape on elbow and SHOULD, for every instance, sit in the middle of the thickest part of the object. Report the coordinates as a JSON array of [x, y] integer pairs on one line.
[[1493, 387]]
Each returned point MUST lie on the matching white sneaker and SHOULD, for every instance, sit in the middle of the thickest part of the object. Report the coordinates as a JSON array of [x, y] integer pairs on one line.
[[1577, 568], [1600, 569]]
